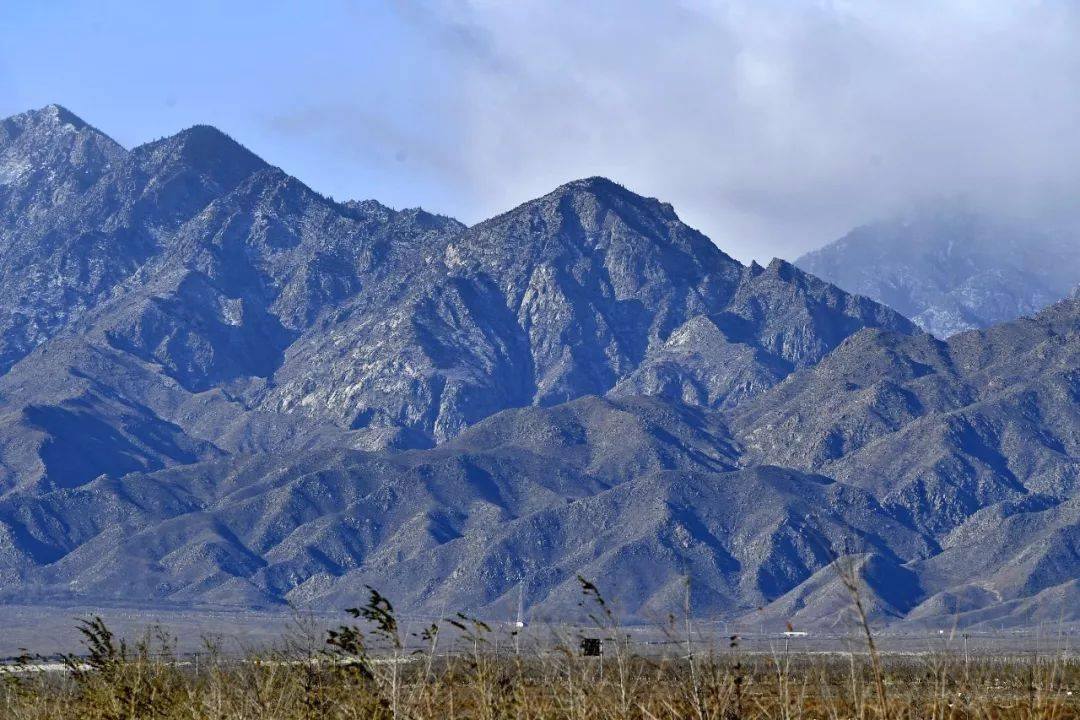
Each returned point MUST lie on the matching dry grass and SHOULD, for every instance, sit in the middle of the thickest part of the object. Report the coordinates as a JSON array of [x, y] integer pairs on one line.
[[464, 669]]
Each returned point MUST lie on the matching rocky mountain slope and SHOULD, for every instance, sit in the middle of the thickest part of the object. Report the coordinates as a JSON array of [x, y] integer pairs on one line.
[[584, 289], [79, 214], [951, 271], [635, 492], [263, 396], [400, 329], [974, 443]]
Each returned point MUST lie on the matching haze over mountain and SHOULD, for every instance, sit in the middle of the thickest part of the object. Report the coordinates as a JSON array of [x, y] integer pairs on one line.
[[222, 387], [950, 270]]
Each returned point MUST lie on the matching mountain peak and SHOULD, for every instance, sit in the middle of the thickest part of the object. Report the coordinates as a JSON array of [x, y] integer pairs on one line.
[[203, 149], [584, 210], [779, 265], [369, 207], [52, 141], [601, 187], [785, 270], [202, 133], [60, 115], [588, 196], [49, 115], [51, 121], [202, 143], [592, 184]]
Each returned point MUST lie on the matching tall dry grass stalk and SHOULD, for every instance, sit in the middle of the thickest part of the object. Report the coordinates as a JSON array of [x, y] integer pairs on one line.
[[848, 571]]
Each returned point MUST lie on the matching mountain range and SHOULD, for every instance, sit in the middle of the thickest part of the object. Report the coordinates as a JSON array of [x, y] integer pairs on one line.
[[218, 386], [951, 269]]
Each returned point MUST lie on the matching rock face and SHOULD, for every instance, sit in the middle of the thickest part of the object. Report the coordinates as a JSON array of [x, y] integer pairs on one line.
[[79, 214], [580, 291], [951, 271], [219, 386]]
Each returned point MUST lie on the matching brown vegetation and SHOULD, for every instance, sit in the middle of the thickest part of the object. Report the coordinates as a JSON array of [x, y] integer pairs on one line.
[[462, 668]]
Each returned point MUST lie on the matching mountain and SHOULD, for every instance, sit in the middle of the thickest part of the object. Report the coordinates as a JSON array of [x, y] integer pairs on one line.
[[395, 328], [261, 396], [962, 506], [635, 492], [951, 271], [973, 442], [233, 258], [571, 294], [79, 214]]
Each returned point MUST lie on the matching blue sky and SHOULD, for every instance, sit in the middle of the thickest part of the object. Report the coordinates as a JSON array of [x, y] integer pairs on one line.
[[772, 125]]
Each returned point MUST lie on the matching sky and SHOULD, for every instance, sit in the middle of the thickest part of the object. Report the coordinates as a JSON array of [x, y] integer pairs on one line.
[[772, 126]]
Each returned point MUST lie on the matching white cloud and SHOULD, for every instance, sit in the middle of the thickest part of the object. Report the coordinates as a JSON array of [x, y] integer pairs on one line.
[[773, 126]]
